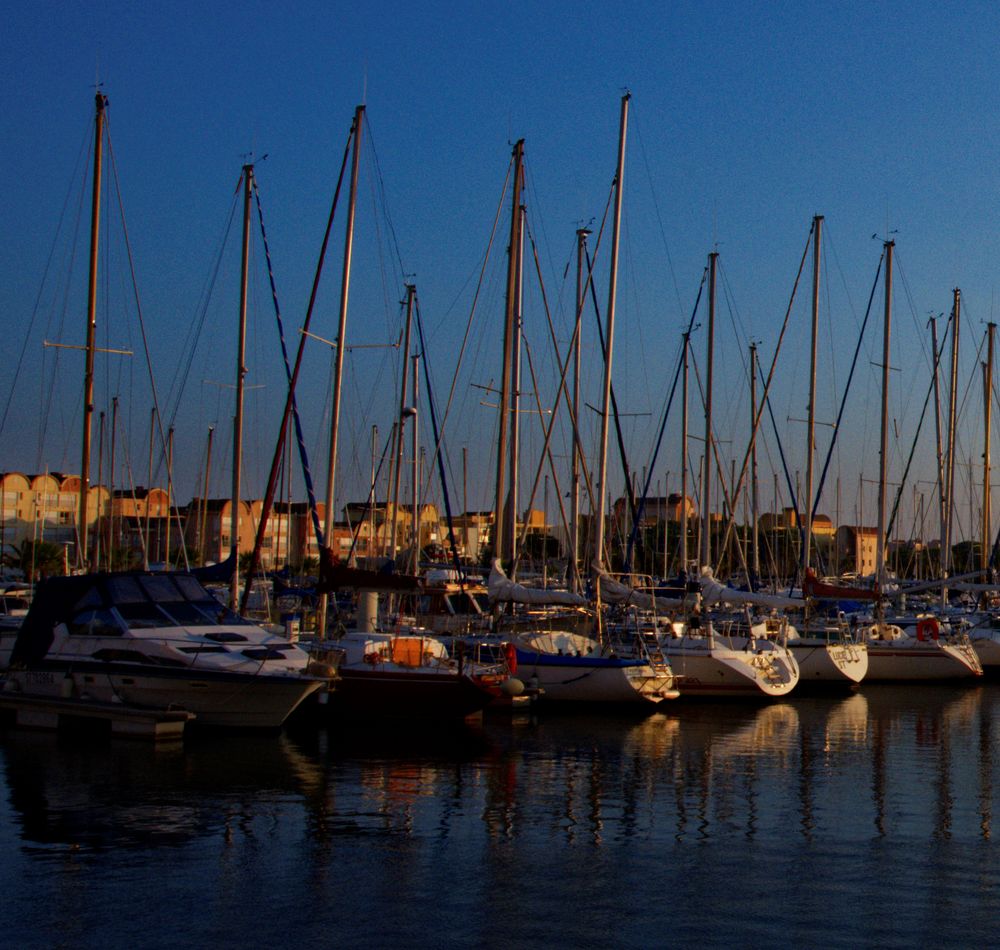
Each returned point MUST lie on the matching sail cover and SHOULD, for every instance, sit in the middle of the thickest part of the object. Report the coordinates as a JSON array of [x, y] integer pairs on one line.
[[503, 590], [715, 593], [813, 587], [614, 592]]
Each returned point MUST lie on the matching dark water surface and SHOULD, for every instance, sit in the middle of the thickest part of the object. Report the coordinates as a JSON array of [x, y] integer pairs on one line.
[[863, 820]]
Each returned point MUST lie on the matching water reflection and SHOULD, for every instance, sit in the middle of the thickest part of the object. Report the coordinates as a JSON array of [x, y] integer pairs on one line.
[[884, 763], [99, 795]]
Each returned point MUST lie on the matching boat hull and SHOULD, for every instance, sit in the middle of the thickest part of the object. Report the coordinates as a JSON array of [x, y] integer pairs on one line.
[[910, 659], [218, 700], [829, 664], [716, 671], [987, 647], [568, 667], [593, 679], [421, 693]]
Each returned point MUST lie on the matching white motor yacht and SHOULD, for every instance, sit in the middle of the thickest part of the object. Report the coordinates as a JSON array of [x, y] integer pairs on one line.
[[159, 641]]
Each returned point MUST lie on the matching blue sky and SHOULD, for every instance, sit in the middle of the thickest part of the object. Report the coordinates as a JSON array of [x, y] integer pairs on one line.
[[746, 120]]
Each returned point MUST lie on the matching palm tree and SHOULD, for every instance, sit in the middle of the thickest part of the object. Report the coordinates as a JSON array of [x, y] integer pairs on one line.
[[37, 559]]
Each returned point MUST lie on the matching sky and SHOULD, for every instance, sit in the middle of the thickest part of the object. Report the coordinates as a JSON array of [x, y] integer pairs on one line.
[[745, 121]]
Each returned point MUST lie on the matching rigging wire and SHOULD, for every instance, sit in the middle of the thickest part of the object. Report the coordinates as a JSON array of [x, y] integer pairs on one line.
[[84, 153]]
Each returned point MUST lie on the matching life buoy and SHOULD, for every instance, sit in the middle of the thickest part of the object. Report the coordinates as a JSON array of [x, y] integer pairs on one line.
[[928, 629], [510, 655]]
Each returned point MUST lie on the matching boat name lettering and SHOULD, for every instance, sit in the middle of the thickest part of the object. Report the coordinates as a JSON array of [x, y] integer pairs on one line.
[[41, 678]]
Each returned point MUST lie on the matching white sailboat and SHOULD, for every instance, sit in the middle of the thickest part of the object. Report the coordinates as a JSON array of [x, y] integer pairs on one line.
[[717, 657], [893, 654], [567, 666], [918, 648], [827, 652], [564, 664]]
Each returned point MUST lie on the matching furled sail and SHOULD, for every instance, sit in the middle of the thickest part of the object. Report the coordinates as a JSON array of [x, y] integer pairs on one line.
[[503, 590], [813, 587], [615, 592], [715, 593]]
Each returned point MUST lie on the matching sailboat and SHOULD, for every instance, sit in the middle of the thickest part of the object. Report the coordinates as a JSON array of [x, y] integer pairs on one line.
[[713, 655], [826, 650], [893, 654], [564, 665], [400, 672]]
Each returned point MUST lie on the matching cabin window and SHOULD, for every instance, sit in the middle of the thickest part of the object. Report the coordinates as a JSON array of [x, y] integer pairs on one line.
[[159, 588], [91, 599], [191, 587], [143, 616], [184, 612], [125, 590], [94, 623], [263, 653], [226, 636], [204, 649]]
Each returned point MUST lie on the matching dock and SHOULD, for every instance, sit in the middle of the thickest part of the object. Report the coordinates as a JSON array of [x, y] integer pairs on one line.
[[47, 712]]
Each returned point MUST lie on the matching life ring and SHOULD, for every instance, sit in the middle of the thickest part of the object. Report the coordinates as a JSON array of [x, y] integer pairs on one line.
[[510, 655], [928, 629]]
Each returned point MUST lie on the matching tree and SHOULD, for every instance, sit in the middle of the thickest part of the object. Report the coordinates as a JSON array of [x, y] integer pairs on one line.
[[38, 559]]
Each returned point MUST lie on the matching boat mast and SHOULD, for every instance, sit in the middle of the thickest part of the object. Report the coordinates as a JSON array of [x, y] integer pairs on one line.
[[398, 461], [602, 488], [98, 552], [415, 442], [514, 457], [984, 562], [883, 458], [810, 457], [241, 371], [371, 500], [345, 284], [754, 494], [170, 490], [112, 540], [937, 436], [952, 411], [684, 455], [501, 543], [101, 102], [574, 518], [149, 485], [706, 478], [204, 499]]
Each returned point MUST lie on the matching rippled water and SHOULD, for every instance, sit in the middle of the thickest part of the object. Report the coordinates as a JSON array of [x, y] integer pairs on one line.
[[865, 820]]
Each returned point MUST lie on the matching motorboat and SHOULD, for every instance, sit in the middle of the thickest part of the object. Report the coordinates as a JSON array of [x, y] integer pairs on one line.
[[159, 641]]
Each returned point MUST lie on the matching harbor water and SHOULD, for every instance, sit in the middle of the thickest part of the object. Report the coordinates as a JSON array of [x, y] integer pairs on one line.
[[868, 819]]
